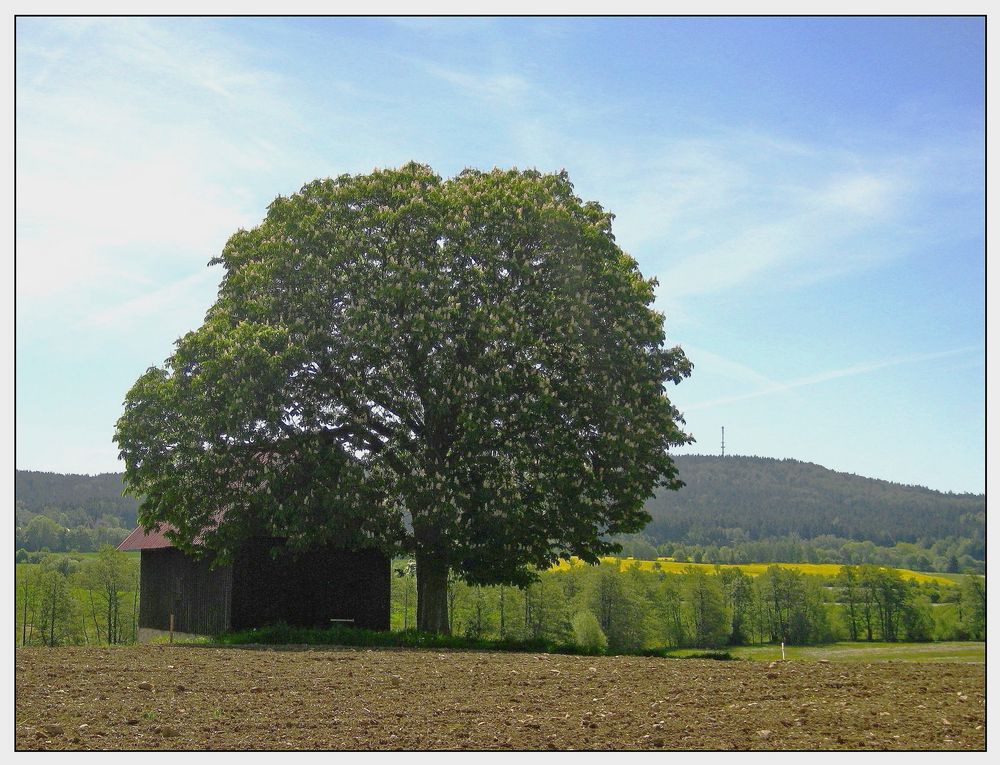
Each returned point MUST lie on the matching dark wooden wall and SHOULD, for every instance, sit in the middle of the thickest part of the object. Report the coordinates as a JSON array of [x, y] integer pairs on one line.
[[309, 590], [198, 597]]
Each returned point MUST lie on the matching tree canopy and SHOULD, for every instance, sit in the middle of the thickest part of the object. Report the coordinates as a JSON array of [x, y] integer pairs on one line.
[[468, 368]]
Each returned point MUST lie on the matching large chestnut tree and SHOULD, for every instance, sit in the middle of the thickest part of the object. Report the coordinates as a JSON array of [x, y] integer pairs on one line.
[[468, 369]]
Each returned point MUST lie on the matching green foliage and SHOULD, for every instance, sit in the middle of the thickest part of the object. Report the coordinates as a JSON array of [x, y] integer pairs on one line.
[[917, 621], [404, 596], [42, 532], [62, 600], [795, 606], [652, 611], [739, 595], [70, 512], [879, 605], [668, 604], [619, 606], [480, 621], [888, 596], [850, 587], [925, 556], [112, 581], [587, 632], [26, 599], [282, 634], [92, 511], [704, 598], [82, 499], [470, 369], [973, 605], [64, 564], [714, 655], [547, 604], [55, 623]]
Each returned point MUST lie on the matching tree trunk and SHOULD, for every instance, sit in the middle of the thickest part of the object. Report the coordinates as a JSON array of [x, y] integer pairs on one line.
[[503, 621], [432, 594], [527, 609], [135, 613], [406, 604], [52, 625], [93, 610], [24, 618]]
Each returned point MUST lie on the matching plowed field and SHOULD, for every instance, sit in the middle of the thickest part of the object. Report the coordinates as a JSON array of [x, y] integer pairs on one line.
[[195, 698]]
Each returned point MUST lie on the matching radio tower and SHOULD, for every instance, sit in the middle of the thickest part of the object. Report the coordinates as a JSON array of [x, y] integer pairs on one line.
[[723, 440]]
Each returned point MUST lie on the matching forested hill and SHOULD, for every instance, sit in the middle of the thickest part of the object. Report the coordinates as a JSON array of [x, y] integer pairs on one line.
[[740, 498], [725, 500], [96, 495], [70, 512]]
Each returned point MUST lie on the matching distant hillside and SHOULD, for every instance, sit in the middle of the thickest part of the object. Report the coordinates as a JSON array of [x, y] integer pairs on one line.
[[725, 500], [94, 495], [70, 512], [740, 498]]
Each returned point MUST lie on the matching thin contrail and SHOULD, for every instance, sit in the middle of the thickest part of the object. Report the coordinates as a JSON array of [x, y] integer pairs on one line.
[[834, 374]]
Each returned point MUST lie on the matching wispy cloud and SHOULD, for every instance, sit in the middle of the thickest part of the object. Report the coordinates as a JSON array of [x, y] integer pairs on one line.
[[799, 230], [121, 184], [187, 295], [734, 209], [443, 26], [864, 194], [833, 374], [504, 87], [708, 363]]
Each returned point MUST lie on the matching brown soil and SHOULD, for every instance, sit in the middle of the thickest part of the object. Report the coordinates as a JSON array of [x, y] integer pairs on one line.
[[160, 697]]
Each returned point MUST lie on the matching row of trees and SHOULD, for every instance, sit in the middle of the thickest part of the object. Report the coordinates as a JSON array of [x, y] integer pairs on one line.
[[636, 609], [951, 555], [70, 513], [66, 601], [43, 533]]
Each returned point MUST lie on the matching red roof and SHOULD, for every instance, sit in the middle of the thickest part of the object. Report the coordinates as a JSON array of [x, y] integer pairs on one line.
[[154, 540]]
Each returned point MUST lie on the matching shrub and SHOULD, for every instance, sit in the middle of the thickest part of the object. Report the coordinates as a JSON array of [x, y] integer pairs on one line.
[[715, 655], [587, 632]]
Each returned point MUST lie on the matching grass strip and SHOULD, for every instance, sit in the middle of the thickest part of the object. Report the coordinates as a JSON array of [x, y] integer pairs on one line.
[[283, 634]]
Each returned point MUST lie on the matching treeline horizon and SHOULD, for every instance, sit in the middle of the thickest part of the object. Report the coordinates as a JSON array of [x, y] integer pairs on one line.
[[739, 509], [66, 599], [947, 556], [629, 610], [70, 513], [733, 509]]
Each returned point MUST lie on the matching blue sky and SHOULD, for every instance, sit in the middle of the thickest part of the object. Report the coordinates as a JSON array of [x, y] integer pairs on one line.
[[809, 193]]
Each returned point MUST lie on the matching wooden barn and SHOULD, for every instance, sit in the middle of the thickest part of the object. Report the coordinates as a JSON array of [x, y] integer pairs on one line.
[[317, 588]]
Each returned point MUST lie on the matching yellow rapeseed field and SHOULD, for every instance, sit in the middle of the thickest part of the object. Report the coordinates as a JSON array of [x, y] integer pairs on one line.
[[670, 566]]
